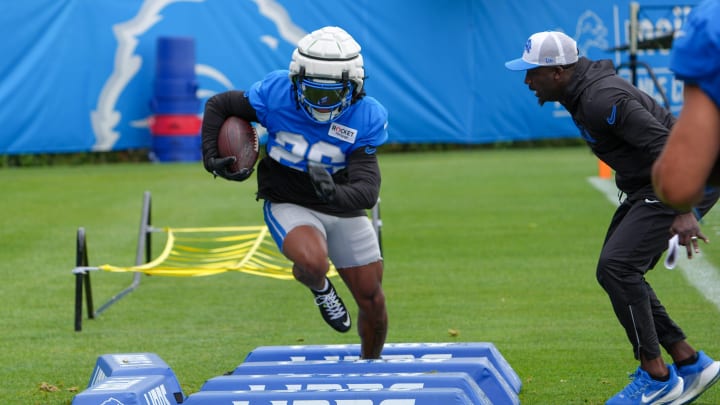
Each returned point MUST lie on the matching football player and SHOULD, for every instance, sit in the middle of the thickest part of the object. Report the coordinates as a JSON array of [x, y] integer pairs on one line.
[[320, 173]]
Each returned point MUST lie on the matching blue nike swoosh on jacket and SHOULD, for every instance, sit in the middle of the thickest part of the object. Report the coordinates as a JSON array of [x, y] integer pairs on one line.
[[611, 119]]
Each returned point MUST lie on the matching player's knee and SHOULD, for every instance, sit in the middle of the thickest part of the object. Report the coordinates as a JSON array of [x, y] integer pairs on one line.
[[315, 265], [310, 272], [600, 275], [604, 269], [373, 302], [612, 272], [312, 261]]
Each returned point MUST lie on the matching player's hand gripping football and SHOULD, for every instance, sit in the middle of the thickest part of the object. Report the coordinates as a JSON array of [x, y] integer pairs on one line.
[[221, 167], [322, 182]]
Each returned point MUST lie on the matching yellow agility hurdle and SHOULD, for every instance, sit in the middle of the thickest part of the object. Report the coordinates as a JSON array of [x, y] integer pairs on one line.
[[193, 252], [189, 252]]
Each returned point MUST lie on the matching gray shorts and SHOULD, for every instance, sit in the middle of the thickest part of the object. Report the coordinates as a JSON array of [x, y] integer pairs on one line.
[[351, 241]]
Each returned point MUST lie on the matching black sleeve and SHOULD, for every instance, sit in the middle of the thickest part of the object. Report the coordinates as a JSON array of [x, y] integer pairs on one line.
[[359, 187], [217, 109]]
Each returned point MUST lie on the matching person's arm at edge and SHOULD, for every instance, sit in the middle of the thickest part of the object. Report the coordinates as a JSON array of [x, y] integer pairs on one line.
[[681, 171]]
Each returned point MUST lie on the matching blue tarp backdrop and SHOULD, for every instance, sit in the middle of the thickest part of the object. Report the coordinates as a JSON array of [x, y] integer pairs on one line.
[[77, 75]]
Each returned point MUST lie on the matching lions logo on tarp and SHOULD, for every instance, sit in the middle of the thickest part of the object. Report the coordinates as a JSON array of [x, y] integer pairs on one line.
[[128, 62]]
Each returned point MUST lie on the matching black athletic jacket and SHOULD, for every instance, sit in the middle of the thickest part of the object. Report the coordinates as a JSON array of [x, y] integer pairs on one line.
[[358, 185], [624, 127]]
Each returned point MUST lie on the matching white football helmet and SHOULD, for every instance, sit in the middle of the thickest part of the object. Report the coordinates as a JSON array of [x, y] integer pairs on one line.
[[327, 72]]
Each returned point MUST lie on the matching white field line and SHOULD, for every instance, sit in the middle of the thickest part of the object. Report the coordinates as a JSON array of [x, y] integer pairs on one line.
[[698, 271]]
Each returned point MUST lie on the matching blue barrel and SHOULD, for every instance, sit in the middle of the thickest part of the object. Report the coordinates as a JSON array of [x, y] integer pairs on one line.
[[175, 85], [175, 58], [175, 95], [176, 148], [171, 89], [159, 105]]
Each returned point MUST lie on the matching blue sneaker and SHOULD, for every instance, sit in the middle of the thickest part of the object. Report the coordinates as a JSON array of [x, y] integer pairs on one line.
[[644, 390], [698, 377]]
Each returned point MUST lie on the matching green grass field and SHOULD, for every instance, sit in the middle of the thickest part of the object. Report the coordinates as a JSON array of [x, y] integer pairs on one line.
[[499, 245]]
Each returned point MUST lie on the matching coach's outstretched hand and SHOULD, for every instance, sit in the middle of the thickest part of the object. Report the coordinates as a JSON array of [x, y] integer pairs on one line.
[[322, 182], [221, 167]]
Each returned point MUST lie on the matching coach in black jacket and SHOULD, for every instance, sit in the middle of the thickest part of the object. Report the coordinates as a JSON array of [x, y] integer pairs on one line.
[[627, 129]]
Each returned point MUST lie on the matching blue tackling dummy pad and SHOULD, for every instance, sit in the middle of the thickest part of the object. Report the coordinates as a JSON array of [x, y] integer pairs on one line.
[[391, 351], [429, 396], [356, 381], [116, 373], [479, 369], [408, 373], [129, 390]]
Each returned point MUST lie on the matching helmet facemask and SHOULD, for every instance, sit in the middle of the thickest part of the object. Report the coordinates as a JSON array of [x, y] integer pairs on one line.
[[327, 73], [323, 100]]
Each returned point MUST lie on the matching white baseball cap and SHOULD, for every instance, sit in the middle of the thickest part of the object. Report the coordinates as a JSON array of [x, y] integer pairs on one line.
[[547, 48]]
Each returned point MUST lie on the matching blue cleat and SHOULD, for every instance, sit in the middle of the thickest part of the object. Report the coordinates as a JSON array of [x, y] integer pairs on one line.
[[697, 377], [644, 390]]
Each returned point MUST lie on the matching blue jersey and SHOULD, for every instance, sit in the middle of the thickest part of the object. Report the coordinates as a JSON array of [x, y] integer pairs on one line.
[[293, 139], [346, 146], [695, 55]]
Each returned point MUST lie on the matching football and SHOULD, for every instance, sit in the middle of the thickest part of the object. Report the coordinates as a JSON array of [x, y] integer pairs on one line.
[[238, 138]]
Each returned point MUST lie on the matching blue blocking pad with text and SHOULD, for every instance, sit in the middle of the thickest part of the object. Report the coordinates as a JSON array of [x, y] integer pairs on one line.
[[135, 364], [442, 350], [355, 381], [479, 369], [430, 396], [130, 390]]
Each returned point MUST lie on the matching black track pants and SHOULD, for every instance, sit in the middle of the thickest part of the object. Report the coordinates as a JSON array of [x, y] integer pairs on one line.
[[637, 236]]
